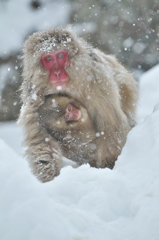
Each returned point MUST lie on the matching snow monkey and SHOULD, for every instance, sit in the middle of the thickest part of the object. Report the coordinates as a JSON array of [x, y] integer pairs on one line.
[[67, 121], [57, 61]]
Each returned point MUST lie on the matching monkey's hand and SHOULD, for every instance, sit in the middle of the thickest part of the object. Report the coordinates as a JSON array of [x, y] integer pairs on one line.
[[43, 152], [105, 158], [44, 156], [46, 170]]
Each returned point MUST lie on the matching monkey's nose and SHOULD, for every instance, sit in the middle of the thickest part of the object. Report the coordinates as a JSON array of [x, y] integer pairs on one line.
[[57, 73]]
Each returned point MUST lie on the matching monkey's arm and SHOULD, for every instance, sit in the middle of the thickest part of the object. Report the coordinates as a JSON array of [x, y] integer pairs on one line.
[[42, 151], [111, 130], [110, 111]]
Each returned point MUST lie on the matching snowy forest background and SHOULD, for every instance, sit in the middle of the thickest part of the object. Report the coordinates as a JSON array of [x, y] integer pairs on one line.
[[127, 28]]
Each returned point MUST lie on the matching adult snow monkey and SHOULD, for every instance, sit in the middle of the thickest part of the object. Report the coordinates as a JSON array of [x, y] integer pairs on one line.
[[57, 61]]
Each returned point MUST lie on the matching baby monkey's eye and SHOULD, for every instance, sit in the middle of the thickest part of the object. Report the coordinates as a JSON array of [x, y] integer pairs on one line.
[[69, 108]]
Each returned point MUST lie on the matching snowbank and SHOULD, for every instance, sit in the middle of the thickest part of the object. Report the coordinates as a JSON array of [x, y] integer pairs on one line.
[[149, 92], [86, 203]]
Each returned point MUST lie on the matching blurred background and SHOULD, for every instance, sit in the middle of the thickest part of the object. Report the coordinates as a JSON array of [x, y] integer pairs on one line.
[[128, 29]]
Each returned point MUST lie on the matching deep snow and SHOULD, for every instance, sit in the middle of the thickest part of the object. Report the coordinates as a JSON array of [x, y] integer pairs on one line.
[[86, 203]]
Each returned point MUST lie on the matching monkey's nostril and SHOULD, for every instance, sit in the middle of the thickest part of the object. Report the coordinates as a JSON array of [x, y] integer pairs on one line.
[[57, 73], [69, 108]]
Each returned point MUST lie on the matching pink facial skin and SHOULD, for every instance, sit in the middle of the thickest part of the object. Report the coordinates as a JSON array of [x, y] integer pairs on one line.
[[56, 63], [72, 113]]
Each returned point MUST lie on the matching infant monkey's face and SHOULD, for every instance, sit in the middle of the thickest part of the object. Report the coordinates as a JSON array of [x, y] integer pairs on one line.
[[72, 113]]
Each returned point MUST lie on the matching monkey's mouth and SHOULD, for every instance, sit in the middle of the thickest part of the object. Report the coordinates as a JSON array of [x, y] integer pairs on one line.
[[60, 82]]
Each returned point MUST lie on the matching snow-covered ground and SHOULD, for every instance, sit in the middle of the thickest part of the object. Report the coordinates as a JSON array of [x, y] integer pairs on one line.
[[87, 203]]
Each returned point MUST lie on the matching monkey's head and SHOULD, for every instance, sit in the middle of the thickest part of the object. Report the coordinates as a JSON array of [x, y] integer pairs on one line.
[[54, 60], [72, 113], [63, 112], [47, 55]]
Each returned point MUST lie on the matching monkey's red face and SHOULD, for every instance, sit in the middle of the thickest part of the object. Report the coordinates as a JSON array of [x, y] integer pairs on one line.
[[56, 64], [72, 113]]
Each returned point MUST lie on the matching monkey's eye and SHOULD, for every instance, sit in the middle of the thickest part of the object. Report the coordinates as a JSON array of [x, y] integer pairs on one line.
[[48, 58], [60, 56], [69, 108]]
